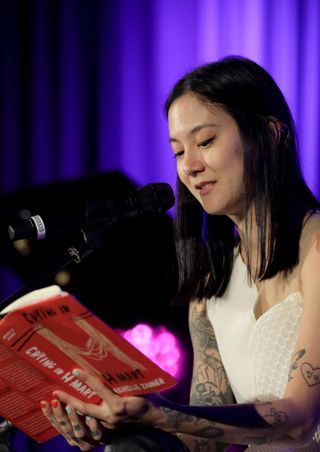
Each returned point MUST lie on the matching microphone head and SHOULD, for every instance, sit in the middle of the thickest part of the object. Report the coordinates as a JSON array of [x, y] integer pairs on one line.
[[156, 198], [21, 229]]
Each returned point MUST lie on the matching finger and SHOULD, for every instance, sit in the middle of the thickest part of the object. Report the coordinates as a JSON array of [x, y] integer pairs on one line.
[[76, 421], [95, 384], [48, 412], [86, 437], [78, 405], [61, 418], [94, 427]]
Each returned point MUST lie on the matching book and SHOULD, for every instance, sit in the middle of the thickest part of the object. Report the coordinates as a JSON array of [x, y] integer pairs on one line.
[[47, 333]]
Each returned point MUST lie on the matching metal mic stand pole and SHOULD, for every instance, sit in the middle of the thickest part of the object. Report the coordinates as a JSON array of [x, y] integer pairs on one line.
[[75, 254]]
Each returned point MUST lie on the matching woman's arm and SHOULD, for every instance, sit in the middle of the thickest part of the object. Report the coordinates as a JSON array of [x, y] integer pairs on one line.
[[240, 424], [209, 385]]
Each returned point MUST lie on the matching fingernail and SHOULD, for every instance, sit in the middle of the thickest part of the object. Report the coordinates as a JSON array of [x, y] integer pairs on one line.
[[96, 434], [88, 418], [43, 404], [76, 373], [69, 409], [55, 404]]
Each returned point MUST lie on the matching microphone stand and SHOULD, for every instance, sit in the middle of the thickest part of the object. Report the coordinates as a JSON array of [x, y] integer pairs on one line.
[[90, 242]]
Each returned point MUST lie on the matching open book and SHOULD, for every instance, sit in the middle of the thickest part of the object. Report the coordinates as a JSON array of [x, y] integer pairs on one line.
[[47, 333]]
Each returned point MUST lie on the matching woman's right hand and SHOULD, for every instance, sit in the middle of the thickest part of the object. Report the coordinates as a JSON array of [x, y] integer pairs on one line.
[[82, 431]]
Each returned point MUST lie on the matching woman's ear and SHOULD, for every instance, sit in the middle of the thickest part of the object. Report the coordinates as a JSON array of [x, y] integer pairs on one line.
[[277, 128]]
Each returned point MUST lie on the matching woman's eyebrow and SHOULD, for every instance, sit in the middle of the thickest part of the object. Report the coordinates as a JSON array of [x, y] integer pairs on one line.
[[195, 130]]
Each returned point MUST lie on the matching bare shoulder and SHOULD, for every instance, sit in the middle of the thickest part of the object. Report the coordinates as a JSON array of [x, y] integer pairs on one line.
[[310, 252], [310, 234]]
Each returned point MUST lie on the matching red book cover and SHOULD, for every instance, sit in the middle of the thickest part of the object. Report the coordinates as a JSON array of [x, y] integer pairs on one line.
[[42, 341]]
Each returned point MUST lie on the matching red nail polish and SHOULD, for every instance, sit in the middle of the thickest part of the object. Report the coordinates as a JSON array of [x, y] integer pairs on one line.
[[54, 403]]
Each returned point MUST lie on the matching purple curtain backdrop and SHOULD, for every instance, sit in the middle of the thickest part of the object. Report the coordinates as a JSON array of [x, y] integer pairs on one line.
[[83, 82]]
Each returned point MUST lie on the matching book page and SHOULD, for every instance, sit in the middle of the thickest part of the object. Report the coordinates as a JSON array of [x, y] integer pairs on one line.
[[33, 297]]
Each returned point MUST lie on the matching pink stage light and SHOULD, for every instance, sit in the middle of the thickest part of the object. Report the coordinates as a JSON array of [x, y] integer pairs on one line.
[[158, 344]]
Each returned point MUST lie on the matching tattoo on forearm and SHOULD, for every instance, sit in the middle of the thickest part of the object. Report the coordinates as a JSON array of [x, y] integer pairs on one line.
[[294, 363], [176, 419], [276, 418], [201, 446], [310, 374], [256, 440], [209, 432]]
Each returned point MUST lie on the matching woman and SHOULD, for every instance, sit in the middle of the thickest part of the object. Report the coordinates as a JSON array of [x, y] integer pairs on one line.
[[248, 248]]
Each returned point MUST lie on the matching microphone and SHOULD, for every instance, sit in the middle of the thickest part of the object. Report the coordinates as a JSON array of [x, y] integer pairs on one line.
[[149, 199]]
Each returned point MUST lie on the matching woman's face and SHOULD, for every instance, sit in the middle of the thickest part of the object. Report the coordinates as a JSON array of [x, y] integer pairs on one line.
[[209, 153]]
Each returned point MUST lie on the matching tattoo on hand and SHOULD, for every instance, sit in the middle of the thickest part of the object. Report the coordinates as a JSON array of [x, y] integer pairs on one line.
[[294, 362]]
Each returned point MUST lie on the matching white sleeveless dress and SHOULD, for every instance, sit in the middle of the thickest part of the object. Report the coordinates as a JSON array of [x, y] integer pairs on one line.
[[256, 353]]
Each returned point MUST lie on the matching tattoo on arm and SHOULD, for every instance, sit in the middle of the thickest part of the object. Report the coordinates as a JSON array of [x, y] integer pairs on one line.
[[210, 385], [200, 445], [310, 374], [294, 363], [175, 418], [256, 440], [275, 418], [178, 420]]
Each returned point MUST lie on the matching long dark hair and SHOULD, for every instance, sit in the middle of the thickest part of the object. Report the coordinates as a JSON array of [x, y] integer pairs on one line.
[[273, 182]]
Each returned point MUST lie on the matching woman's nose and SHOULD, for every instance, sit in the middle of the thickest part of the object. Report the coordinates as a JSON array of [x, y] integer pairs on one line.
[[192, 164]]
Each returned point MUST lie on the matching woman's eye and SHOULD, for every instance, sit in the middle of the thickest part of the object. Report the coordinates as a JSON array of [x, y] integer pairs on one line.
[[206, 143], [178, 154]]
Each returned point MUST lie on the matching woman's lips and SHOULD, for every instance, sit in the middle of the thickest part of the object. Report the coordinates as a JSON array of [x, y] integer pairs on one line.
[[205, 187]]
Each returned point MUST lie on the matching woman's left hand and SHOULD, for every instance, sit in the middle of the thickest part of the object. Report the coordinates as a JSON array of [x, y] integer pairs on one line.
[[114, 410]]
